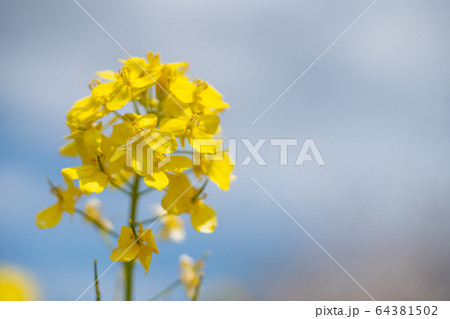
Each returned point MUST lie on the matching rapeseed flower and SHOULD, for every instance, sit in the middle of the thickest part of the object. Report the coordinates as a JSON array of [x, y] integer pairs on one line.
[[135, 245], [66, 200], [134, 126], [191, 274], [101, 159], [181, 197]]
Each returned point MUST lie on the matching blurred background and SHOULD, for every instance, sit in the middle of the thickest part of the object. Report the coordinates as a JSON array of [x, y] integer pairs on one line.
[[376, 105]]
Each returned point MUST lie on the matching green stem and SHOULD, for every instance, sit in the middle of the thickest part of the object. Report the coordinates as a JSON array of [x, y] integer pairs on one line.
[[129, 265], [145, 191], [97, 223], [129, 280], [150, 220], [136, 107], [97, 289]]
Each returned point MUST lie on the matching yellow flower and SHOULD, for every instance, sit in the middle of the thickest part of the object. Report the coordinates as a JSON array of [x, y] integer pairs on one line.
[[207, 97], [101, 160], [218, 167], [172, 226], [126, 85], [182, 198], [85, 112], [132, 125], [17, 285], [51, 216], [153, 162], [136, 76], [193, 126], [200, 96], [131, 248], [190, 274], [171, 81]]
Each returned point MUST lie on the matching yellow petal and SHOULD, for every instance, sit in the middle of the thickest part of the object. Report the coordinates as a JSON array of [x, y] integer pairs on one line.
[[149, 238], [78, 172], [172, 108], [202, 142], [179, 195], [70, 196], [209, 123], [145, 257], [175, 126], [92, 139], [120, 97], [121, 133], [94, 184], [147, 247], [117, 93], [69, 149], [116, 164], [127, 249], [105, 89], [107, 74], [220, 171], [183, 89], [135, 65], [203, 218], [177, 164], [147, 121], [107, 148], [212, 99], [157, 180], [144, 82], [162, 142], [50, 216]]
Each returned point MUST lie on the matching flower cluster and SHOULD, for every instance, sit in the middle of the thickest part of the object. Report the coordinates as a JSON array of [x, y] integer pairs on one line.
[[150, 122]]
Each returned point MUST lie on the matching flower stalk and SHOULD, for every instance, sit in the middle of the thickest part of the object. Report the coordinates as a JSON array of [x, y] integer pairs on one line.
[[129, 266]]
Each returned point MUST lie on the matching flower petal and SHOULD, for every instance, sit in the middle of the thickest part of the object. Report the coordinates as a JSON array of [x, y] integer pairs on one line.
[[78, 172], [94, 184], [157, 180], [177, 164], [50, 216], [203, 218], [127, 247]]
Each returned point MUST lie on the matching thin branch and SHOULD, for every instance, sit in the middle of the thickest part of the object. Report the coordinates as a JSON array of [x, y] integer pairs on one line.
[[145, 191], [150, 220], [97, 223], [97, 289], [136, 107], [200, 191], [125, 180], [120, 188]]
